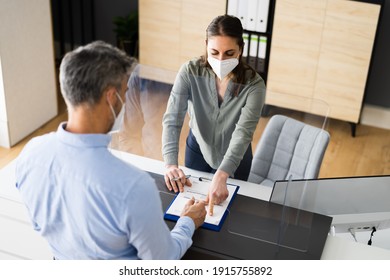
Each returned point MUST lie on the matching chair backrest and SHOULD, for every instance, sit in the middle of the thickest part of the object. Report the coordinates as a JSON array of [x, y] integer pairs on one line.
[[288, 147]]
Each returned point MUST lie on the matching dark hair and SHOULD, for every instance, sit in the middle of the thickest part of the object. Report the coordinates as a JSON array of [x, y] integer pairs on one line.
[[230, 26], [86, 72]]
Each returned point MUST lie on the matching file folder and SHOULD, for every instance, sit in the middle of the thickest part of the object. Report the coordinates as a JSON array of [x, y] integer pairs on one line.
[[232, 8], [262, 47], [257, 52], [245, 37], [242, 11], [254, 41], [251, 15], [262, 15], [258, 46]]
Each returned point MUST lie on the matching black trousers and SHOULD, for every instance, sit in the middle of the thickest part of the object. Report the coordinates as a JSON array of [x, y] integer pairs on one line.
[[195, 160]]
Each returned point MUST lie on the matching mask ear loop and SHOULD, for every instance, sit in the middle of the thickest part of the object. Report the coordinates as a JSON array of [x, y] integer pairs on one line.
[[120, 98], [111, 108]]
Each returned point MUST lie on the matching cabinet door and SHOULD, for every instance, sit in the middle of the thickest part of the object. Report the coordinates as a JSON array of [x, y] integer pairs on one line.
[[173, 32], [296, 40], [347, 41], [159, 26], [195, 17]]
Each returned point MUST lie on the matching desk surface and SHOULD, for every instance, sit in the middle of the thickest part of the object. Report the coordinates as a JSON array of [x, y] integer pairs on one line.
[[26, 244], [336, 248], [253, 229]]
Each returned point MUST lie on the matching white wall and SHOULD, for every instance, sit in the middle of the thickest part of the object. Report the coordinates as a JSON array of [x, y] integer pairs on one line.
[[28, 94], [376, 116]]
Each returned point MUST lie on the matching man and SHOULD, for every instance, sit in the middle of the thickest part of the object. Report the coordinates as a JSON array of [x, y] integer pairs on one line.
[[87, 203]]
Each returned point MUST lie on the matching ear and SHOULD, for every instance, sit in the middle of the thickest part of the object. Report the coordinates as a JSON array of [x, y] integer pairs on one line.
[[110, 94]]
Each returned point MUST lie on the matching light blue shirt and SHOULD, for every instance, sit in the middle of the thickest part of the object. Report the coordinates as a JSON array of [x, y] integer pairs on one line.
[[88, 204]]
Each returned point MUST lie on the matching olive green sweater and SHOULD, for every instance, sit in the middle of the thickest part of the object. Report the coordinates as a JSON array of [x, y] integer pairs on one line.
[[222, 132]]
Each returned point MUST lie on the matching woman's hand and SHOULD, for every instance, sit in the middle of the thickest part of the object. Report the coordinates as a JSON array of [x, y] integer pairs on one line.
[[175, 179], [218, 191]]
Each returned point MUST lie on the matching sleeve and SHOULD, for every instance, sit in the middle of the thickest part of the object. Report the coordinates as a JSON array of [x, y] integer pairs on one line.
[[245, 127], [174, 117], [148, 232]]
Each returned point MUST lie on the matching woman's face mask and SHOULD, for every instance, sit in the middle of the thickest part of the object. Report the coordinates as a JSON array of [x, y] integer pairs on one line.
[[222, 67]]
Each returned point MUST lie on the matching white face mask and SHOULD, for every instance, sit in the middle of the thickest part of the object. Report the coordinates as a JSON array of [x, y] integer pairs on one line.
[[222, 67], [118, 118]]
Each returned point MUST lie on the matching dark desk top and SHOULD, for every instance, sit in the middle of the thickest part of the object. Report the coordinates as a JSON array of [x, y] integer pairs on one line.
[[253, 228]]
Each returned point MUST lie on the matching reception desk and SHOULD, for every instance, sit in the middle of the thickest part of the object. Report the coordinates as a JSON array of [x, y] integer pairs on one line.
[[18, 240], [341, 247], [255, 229]]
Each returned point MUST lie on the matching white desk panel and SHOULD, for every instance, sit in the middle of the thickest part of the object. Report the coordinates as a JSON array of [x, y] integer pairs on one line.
[[18, 240]]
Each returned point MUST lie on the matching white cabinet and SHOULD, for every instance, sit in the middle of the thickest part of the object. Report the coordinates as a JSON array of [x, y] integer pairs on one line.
[[28, 91]]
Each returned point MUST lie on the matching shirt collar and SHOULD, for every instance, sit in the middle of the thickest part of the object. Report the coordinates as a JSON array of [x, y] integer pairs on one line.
[[82, 140]]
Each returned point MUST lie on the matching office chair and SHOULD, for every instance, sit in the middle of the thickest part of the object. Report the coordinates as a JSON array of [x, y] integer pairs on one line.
[[288, 147]]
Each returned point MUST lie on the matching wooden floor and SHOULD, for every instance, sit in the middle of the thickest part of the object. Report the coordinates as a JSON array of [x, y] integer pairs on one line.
[[366, 154]]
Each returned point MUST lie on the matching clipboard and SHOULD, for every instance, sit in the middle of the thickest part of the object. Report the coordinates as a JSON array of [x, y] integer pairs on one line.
[[199, 191]]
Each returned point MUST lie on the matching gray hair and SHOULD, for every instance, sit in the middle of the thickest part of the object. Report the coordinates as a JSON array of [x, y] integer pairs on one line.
[[88, 71]]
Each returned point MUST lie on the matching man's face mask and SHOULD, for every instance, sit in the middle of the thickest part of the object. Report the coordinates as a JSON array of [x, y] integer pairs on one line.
[[118, 118]]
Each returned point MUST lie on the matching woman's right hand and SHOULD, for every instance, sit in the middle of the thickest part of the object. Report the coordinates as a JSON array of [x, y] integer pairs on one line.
[[173, 171]]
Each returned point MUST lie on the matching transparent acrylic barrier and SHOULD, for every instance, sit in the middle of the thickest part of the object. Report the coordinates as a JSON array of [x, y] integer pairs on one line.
[[355, 203], [166, 198], [141, 134], [149, 90], [146, 101], [282, 224], [307, 109], [276, 224]]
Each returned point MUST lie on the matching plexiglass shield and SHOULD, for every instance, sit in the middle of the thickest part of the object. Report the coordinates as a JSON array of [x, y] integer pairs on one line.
[[141, 135]]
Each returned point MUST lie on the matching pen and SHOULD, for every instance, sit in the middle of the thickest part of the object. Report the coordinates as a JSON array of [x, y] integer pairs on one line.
[[178, 178], [204, 179]]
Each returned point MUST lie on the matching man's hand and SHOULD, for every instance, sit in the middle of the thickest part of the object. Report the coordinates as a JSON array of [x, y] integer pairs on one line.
[[175, 179], [196, 211]]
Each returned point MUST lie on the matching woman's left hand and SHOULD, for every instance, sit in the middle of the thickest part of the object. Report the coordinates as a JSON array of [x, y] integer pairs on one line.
[[218, 191]]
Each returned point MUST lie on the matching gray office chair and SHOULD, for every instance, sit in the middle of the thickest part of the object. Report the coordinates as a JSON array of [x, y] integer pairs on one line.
[[288, 147]]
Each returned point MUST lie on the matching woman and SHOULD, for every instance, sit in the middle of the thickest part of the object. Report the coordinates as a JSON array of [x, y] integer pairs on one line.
[[224, 98]]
